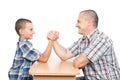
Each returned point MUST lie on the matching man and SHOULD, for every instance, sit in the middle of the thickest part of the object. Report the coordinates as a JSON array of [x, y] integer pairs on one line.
[[94, 51]]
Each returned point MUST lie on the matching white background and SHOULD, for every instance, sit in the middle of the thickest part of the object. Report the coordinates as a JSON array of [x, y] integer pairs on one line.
[[48, 15]]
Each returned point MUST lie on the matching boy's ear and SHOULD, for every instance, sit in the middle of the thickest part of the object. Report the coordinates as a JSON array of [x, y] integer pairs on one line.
[[21, 31]]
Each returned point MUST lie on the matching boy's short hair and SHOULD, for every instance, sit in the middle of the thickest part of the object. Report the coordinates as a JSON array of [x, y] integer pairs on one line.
[[20, 24]]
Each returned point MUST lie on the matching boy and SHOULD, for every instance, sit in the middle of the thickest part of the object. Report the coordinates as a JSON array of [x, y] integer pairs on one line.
[[25, 54]]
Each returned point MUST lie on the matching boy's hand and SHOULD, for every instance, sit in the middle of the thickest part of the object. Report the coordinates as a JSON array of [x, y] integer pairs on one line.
[[53, 35]]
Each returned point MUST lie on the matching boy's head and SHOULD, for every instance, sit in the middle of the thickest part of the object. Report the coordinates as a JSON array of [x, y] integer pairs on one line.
[[24, 28]]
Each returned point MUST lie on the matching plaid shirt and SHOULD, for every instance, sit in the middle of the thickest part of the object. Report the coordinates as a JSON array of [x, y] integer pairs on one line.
[[24, 57], [98, 48]]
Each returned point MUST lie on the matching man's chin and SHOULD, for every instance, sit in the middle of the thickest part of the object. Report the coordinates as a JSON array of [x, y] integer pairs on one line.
[[79, 33]]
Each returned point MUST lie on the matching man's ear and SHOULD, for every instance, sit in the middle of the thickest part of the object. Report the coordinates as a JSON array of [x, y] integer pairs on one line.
[[89, 22]]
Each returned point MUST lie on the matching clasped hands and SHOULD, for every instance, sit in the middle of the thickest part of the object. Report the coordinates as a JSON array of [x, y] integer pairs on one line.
[[53, 35]]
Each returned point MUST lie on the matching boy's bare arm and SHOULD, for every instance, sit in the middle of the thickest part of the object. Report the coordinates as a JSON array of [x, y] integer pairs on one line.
[[51, 36], [45, 55]]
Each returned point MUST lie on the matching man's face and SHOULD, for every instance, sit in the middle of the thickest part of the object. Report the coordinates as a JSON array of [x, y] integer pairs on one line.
[[28, 31], [82, 24]]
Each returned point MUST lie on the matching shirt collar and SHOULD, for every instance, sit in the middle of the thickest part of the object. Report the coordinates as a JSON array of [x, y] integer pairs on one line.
[[22, 39], [92, 33], [89, 36]]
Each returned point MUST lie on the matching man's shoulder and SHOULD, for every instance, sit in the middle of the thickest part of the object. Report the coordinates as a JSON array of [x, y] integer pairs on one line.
[[104, 37]]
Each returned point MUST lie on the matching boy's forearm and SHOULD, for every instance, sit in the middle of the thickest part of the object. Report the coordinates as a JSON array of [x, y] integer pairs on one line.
[[45, 55]]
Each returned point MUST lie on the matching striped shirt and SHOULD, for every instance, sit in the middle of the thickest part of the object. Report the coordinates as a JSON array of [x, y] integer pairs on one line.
[[98, 48], [24, 57]]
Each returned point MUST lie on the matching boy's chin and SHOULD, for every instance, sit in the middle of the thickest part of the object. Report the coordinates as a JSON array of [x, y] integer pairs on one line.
[[30, 38]]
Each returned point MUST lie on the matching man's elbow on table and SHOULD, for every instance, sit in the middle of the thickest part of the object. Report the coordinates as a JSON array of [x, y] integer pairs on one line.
[[80, 61]]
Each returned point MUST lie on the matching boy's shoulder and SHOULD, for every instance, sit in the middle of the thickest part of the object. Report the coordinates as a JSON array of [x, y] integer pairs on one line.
[[23, 41]]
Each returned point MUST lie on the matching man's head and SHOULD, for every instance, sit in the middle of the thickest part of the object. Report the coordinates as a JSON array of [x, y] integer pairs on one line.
[[24, 28], [87, 21]]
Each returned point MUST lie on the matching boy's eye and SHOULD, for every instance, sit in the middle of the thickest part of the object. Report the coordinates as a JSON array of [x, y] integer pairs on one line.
[[31, 29]]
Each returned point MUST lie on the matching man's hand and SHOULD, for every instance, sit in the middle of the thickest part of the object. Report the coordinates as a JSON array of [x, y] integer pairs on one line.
[[53, 35]]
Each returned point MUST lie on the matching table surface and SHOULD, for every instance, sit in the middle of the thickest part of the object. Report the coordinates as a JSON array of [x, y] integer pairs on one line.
[[52, 68]]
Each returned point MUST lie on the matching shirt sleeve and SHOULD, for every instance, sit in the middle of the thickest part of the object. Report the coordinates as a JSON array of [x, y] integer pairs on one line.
[[97, 48], [29, 52], [74, 48]]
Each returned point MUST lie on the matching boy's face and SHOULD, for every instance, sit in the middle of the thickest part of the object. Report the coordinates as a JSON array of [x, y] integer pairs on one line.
[[27, 32]]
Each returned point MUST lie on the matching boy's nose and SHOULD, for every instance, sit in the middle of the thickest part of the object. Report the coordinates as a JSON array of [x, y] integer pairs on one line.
[[33, 32]]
